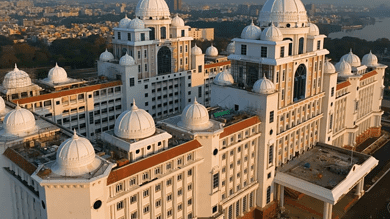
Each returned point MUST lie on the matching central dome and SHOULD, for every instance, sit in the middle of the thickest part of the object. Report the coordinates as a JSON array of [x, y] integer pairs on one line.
[[19, 122], [283, 11], [57, 75], [16, 78], [134, 124], [195, 117], [75, 156], [152, 8], [212, 51]]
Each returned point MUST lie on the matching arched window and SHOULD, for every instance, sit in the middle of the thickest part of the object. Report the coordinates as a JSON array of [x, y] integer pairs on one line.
[[290, 46], [164, 60], [163, 32], [301, 43], [124, 50], [300, 83], [152, 33]]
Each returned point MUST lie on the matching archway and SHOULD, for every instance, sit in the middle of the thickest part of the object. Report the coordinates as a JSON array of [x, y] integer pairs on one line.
[[164, 60], [300, 82]]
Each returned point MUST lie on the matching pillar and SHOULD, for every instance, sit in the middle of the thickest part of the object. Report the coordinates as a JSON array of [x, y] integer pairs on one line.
[[281, 196], [360, 188], [325, 215], [330, 211], [278, 192]]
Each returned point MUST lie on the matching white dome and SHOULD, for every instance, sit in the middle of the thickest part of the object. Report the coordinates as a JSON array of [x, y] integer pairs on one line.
[[212, 51], [224, 78], [177, 22], [329, 67], [272, 33], [344, 68], [352, 59], [195, 117], [136, 24], [2, 104], [231, 48], [19, 121], [124, 22], [106, 56], [152, 8], [57, 75], [134, 124], [196, 50], [126, 60], [313, 30], [16, 78], [370, 59], [283, 11], [75, 156], [264, 86], [251, 32]]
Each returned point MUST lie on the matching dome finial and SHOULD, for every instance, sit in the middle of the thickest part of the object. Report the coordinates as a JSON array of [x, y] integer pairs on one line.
[[56, 64], [125, 15], [16, 67], [252, 22], [134, 106], [75, 136], [17, 106], [195, 102]]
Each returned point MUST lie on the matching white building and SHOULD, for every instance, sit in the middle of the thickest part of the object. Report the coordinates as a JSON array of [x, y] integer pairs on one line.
[[280, 108]]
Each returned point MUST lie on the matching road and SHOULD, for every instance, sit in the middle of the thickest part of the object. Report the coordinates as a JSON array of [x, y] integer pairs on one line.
[[374, 203]]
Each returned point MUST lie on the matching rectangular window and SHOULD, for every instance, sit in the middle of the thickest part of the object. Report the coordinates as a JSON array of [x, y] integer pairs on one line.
[[139, 54], [268, 194], [142, 36], [331, 121], [271, 117], [119, 35], [119, 205], [132, 82], [146, 67], [264, 52], [199, 91], [215, 180], [318, 44], [282, 94], [199, 68], [277, 77], [181, 49], [243, 50], [145, 53], [282, 52], [183, 34], [271, 154], [129, 36], [332, 92]]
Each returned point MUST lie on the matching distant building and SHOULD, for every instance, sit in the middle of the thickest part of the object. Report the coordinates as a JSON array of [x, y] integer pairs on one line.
[[202, 33], [254, 10], [174, 5], [25, 4], [243, 9]]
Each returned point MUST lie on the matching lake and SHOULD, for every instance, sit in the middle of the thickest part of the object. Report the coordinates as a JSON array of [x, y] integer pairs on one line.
[[381, 29]]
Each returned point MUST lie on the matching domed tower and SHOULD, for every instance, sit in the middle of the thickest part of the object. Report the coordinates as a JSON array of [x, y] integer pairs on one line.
[[264, 86], [106, 56], [134, 124], [57, 75], [370, 60], [195, 117], [224, 78], [19, 122]]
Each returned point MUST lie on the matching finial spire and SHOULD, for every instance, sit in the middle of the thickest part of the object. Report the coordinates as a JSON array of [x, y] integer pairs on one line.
[[75, 136], [16, 67], [134, 106], [56, 64], [195, 102], [17, 106]]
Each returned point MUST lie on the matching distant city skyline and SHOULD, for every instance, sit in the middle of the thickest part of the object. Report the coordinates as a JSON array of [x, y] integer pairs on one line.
[[345, 2]]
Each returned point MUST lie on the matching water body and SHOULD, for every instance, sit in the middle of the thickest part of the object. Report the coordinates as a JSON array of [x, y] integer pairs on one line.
[[381, 29]]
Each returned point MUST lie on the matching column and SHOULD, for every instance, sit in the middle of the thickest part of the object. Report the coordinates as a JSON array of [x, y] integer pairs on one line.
[[281, 197], [277, 192], [326, 211], [330, 211], [361, 186]]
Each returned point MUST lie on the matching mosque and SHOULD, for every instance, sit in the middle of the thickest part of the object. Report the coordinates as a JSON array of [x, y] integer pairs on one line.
[[282, 117]]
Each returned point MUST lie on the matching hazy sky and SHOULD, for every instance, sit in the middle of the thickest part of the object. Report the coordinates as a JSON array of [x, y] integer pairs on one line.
[[349, 2]]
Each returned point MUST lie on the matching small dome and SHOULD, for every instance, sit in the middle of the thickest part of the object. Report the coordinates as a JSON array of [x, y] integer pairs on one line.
[[251, 32], [57, 75], [344, 68], [16, 78], [136, 24], [212, 51], [329, 67], [126, 60], [264, 86], [106, 56], [196, 50], [195, 117], [231, 48], [134, 124], [352, 59], [19, 121], [370, 59], [152, 8], [2, 104], [224, 78], [313, 30], [177, 22], [75, 156], [272, 33], [283, 11], [124, 22]]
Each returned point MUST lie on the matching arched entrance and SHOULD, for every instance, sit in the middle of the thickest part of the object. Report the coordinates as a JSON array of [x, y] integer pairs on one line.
[[164, 60], [300, 82]]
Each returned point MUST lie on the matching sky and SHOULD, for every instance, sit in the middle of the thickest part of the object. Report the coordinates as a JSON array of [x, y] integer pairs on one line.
[[349, 2]]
